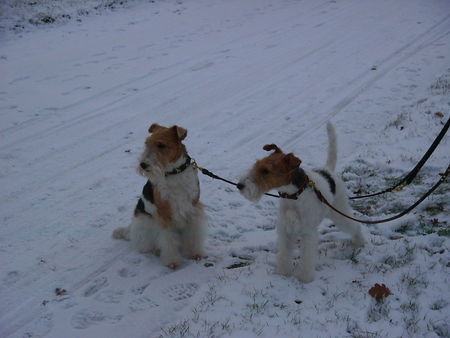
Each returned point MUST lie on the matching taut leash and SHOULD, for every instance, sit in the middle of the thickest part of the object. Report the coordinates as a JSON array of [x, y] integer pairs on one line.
[[403, 213], [206, 172], [413, 173], [310, 184]]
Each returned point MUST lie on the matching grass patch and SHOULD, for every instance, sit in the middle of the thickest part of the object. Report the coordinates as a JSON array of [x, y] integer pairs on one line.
[[424, 226], [435, 209], [441, 86]]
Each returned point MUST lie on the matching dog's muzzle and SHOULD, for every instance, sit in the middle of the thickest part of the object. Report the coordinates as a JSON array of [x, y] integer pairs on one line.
[[143, 165], [240, 186]]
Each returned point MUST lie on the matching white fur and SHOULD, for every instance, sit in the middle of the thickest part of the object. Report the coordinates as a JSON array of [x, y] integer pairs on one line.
[[186, 236], [299, 219]]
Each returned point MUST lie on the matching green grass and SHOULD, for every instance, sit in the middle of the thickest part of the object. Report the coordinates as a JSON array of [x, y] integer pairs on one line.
[[425, 226]]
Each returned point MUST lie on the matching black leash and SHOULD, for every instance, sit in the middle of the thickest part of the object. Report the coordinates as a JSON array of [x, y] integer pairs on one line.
[[310, 184], [413, 173], [403, 213], [212, 175]]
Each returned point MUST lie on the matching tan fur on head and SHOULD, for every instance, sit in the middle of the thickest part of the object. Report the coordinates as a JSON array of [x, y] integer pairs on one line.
[[164, 146], [275, 170], [180, 132]]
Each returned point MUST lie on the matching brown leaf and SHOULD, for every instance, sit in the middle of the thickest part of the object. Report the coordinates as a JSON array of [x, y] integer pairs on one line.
[[60, 292], [379, 291]]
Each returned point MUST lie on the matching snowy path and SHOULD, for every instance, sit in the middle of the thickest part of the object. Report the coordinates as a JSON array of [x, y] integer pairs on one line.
[[76, 102]]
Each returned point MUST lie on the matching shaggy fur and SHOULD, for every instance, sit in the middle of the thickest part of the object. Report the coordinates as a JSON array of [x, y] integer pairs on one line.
[[300, 218], [168, 219]]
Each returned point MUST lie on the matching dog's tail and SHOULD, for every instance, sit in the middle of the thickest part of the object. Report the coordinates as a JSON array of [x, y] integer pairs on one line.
[[332, 147]]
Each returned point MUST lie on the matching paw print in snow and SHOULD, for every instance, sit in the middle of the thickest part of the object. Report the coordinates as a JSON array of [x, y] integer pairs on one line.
[[179, 292]]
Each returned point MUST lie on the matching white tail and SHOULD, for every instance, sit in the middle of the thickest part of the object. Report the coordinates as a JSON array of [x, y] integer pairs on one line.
[[332, 147]]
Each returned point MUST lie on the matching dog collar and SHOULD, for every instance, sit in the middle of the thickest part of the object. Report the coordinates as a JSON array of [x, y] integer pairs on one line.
[[181, 168], [301, 181]]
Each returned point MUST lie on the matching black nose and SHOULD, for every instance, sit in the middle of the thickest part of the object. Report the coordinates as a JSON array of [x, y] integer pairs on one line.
[[143, 165], [240, 186]]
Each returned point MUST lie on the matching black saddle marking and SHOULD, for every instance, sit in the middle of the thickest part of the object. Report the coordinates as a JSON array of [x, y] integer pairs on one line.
[[299, 178], [328, 177], [140, 208], [147, 194]]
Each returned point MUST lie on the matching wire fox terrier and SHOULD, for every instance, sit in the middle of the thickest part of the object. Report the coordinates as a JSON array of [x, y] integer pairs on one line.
[[301, 212], [168, 218]]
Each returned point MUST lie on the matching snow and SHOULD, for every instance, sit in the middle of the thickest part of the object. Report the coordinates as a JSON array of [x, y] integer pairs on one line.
[[77, 97]]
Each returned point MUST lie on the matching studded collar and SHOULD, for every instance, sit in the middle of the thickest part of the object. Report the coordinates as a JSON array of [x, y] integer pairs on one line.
[[181, 168], [301, 181]]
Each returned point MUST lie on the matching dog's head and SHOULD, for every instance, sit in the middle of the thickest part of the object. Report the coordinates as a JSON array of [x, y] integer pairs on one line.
[[162, 149], [271, 172]]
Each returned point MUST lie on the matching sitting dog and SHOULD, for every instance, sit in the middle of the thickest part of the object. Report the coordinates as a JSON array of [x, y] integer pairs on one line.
[[301, 211], [168, 218]]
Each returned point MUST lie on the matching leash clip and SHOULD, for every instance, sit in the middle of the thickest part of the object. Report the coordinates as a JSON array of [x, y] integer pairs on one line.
[[196, 166]]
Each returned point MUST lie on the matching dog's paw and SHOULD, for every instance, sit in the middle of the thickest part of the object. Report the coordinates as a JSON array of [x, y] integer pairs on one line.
[[172, 261], [197, 257], [173, 265]]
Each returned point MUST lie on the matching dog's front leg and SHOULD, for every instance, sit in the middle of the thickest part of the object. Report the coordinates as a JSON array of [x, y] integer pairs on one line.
[[169, 243], [285, 243], [193, 235], [309, 251]]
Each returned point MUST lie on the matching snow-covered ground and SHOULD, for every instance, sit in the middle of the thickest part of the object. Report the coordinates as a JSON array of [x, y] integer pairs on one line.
[[76, 99]]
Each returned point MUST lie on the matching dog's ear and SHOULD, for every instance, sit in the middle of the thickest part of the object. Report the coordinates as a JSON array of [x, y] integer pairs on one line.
[[269, 147], [180, 132], [292, 161], [154, 127]]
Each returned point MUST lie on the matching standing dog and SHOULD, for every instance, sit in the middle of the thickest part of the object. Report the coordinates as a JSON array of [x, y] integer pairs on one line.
[[168, 218], [301, 215]]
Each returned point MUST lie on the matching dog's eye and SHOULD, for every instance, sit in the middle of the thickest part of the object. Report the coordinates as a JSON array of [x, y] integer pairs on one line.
[[264, 171], [161, 145]]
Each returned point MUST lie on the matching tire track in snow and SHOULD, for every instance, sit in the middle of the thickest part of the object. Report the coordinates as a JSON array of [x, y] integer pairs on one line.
[[433, 34], [93, 113], [98, 113], [119, 89]]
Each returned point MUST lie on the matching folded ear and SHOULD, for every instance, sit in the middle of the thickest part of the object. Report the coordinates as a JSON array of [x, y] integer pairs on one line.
[[292, 161], [269, 147], [180, 132], [154, 127]]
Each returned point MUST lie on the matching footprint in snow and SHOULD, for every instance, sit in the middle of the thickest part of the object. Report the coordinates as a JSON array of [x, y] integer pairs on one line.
[[11, 277], [139, 290], [179, 292], [127, 273], [84, 319], [235, 204], [142, 304], [134, 260], [110, 296]]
